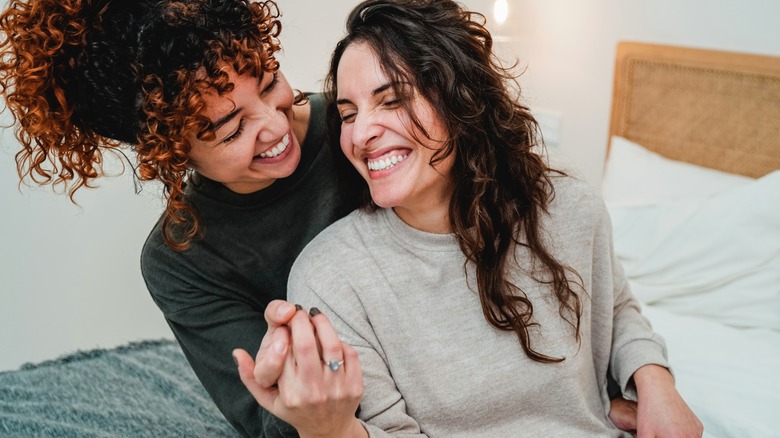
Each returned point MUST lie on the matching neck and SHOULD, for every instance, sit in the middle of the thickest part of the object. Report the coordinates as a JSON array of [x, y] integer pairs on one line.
[[431, 220]]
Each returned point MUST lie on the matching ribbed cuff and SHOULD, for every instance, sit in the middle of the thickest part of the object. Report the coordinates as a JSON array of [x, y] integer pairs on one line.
[[633, 356]]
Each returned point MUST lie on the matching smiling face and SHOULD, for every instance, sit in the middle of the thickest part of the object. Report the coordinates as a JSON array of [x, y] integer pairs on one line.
[[379, 139], [254, 144]]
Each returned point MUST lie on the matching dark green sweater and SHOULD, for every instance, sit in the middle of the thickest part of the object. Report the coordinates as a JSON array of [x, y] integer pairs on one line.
[[213, 295]]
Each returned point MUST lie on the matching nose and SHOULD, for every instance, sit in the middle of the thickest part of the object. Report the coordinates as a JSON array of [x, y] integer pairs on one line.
[[275, 124], [366, 129]]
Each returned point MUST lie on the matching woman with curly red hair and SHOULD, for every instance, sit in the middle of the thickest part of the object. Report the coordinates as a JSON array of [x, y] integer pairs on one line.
[[194, 89]]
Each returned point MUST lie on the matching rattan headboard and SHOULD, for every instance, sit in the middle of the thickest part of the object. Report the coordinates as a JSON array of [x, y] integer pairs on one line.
[[717, 109]]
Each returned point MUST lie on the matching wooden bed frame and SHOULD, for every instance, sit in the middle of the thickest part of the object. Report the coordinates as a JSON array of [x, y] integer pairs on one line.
[[712, 108]]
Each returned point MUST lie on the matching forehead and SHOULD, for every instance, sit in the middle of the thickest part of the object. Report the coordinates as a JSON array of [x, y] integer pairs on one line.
[[218, 104], [359, 66]]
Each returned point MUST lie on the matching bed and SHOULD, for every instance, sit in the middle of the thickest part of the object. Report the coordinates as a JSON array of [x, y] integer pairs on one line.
[[693, 189]]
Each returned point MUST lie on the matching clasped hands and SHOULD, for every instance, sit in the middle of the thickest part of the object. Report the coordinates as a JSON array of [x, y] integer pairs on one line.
[[304, 374]]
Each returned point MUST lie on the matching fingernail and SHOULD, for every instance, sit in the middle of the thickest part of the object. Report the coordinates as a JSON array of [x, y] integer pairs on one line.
[[233, 355], [314, 312], [280, 347], [298, 307]]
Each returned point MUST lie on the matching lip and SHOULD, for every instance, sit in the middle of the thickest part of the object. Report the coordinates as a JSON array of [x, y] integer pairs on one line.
[[272, 160]]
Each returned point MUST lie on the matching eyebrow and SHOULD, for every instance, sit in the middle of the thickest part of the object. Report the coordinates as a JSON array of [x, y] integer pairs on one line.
[[221, 122], [376, 91]]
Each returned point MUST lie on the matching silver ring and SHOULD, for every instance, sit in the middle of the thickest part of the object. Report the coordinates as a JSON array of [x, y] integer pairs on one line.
[[334, 365]]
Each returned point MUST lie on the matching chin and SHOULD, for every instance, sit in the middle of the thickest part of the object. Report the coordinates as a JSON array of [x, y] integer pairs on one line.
[[385, 200], [292, 161]]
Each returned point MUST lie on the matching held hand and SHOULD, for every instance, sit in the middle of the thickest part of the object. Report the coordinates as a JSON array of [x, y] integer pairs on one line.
[[260, 377], [661, 411], [275, 343], [318, 397], [322, 383]]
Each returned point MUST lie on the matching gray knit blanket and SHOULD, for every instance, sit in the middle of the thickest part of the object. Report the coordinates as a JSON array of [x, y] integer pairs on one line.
[[143, 389]]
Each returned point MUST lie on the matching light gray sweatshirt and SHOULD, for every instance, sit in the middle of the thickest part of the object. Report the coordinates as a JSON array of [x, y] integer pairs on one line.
[[433, 366]]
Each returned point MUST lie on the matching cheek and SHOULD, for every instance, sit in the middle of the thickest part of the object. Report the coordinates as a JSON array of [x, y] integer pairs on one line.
[[288, 98], [346, 143], [285, 92], [193, 157]]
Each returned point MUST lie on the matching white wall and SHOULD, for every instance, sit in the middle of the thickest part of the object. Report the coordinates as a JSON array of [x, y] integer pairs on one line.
[[569, 47], [69, 276]]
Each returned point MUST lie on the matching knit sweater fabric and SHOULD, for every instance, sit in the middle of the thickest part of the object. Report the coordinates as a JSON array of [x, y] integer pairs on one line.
[[433, 366]]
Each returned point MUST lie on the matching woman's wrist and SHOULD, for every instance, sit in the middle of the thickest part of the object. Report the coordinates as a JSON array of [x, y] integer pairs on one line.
[[353, 429], [652, 376]]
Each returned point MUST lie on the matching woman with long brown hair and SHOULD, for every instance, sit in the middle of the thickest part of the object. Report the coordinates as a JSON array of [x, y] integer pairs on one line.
[[476, 293]]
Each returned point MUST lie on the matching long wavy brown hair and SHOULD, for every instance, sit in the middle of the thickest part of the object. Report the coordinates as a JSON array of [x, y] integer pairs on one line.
[[82, 77], [501, 187]]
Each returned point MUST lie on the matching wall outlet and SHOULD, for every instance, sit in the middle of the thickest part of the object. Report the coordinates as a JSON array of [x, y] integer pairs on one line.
[[551, 124]]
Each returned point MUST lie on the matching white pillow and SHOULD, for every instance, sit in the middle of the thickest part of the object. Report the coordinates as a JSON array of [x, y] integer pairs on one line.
[[634, 176], [716, 257]]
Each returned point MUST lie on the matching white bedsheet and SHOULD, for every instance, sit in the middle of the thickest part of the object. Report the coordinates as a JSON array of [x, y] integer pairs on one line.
[[730, 377], [701, 249]]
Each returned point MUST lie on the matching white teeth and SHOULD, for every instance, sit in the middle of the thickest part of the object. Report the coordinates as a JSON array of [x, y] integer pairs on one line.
[[386, 163], [278, 149]]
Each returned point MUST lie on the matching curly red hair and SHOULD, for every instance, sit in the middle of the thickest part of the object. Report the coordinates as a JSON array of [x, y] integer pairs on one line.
[[75, 72], [54, 148]]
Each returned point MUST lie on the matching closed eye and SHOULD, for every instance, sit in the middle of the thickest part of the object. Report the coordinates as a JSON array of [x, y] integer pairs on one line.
[[347, 117], [268, 88], [391, 101], [235, 134]]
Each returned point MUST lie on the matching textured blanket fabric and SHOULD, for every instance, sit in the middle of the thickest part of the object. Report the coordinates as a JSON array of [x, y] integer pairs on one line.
[[143, 389]]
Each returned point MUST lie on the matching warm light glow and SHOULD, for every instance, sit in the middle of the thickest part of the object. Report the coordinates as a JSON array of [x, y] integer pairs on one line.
[[500, 11]]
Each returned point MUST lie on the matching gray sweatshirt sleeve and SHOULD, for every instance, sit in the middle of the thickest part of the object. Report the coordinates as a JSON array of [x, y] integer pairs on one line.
[[634, 343]]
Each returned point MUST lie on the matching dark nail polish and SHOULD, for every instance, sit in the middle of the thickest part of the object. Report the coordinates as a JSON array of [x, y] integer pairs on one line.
[[314, 312], [298, 307]]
